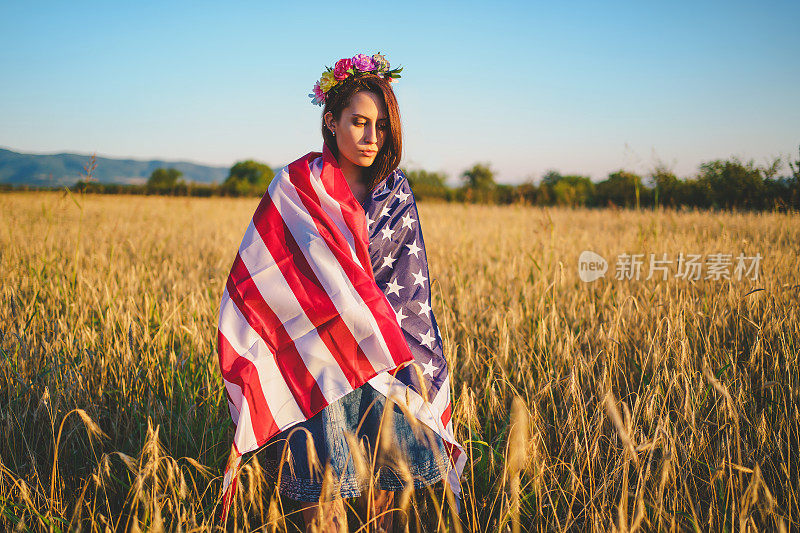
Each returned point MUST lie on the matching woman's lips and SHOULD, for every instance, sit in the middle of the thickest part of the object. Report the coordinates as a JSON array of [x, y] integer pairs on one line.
[[368, 152]]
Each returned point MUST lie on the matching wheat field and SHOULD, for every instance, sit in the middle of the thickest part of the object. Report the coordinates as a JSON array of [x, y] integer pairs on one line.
[[627, 405]]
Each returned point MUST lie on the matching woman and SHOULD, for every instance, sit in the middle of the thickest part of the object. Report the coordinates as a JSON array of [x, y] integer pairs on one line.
[[357, 198]]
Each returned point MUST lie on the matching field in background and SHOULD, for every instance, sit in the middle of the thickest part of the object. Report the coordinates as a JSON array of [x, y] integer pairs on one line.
[[653, 405]]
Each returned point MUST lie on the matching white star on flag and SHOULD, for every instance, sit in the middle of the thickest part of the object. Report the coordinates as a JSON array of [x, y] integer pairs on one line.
[[369, 222], [408, 220], [424, 308], [419, 279], [400, 316], [413, 249], [387, 232], [384, 211], [427, 339], [395, 287], [402, 196], [388, 261], [430, 368]]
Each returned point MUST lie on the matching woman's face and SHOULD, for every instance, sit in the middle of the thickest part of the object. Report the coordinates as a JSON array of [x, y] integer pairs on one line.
[[361, 129]]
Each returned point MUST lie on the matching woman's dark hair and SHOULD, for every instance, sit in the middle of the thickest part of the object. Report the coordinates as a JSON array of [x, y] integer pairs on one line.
[[339, 98]]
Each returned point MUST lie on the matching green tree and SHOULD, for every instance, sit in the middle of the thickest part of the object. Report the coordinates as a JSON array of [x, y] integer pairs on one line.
[[795, 167], [526, 192], [248, 178], [427, 184], [551, 177], [569, 190], [732, 184], [423, 177], [793, 183], [479, 177], [668, 188], [544, 193], [622, 188], [164, 179]]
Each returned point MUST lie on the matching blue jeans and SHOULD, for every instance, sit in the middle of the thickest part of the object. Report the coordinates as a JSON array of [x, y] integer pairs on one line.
[[359, 413]]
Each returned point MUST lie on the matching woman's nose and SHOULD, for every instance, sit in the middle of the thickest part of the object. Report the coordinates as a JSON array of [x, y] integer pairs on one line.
[[370, 135]]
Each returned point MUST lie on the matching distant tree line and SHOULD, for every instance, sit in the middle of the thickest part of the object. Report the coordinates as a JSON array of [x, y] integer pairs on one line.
[[718, 184], [246, 178]]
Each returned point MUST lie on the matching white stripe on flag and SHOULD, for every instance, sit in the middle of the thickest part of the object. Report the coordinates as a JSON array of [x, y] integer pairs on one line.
[[354, 312], [234, 399], [331, 207], [442, 398], [244, 437], [273, 287], [249, 344]]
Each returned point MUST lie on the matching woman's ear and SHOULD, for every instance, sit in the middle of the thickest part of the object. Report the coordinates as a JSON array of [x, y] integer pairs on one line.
[[329, 122]]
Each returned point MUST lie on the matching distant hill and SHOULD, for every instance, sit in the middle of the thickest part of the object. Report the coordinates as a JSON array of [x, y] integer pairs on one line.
[[56, 170]]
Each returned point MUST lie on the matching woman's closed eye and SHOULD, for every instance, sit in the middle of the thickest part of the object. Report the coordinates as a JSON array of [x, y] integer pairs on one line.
[[382, 125]]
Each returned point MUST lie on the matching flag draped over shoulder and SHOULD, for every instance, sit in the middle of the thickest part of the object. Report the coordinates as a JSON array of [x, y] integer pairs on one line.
[[302, 319], [400, 266]]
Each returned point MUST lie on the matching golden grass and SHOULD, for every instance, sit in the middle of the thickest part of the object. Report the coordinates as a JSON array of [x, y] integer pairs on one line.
[[641, 405]]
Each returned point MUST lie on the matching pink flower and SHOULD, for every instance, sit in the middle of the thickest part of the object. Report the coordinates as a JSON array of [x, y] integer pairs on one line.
[[364, 63], [318, 97], [341, 68]]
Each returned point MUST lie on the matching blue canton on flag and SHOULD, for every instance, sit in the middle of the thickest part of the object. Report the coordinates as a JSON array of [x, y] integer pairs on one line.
[[397, 253], [400, 265]]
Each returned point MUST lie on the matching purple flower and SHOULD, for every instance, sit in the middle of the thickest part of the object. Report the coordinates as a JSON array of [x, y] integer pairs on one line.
[[364, 63], [341, 68]]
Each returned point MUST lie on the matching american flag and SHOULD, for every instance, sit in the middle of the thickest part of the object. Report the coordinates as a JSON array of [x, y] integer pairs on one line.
[[303, 319]]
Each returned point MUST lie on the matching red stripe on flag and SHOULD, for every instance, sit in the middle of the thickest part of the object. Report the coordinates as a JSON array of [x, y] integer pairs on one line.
[[263, 320], [311, 295], [446, 414], [452, 451], [242, 372], [369, 292]]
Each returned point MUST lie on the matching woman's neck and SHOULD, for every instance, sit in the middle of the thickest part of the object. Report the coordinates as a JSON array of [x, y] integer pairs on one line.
[[354, 176]]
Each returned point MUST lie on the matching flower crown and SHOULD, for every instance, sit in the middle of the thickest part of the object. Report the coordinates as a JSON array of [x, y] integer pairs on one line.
[[351, 66]]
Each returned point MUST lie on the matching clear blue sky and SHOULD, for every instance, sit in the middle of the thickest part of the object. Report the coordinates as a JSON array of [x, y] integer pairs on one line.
[[581, 87]]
